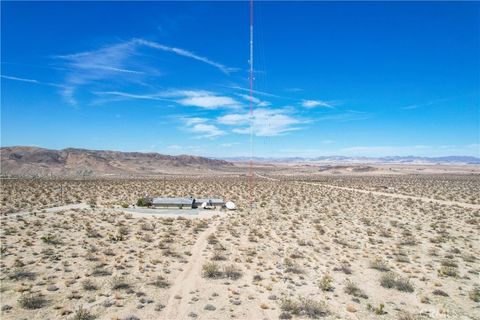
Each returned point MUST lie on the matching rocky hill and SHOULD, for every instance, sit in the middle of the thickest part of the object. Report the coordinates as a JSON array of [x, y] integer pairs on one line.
[[33, 161]]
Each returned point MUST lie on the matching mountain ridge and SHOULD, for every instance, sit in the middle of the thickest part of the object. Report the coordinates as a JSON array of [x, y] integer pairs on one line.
[[362, 159], [36, 161]]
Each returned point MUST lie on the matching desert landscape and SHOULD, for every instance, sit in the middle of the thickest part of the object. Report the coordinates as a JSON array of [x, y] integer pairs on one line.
[[316, 244], [244, 160]]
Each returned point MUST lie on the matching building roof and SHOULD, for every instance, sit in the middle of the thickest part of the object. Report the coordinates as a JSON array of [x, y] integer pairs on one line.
[[214, 200], [172, 201]]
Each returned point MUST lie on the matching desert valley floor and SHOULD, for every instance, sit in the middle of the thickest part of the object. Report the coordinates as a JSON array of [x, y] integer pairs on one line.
[[332, 246]]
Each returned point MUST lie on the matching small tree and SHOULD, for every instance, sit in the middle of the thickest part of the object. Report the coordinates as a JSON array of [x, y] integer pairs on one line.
[[144, 202]]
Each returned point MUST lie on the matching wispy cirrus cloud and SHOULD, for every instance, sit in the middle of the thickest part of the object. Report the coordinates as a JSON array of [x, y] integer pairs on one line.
[[31, 81], [265, 122], [195, 98], [254, 99], [316, 103], [127, 95], [256, 92], [19, 79], [118, 63], [185, 53], [344, 116]]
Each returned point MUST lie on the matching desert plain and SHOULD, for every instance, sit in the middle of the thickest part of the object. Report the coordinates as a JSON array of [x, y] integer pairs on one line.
[[340, 243]]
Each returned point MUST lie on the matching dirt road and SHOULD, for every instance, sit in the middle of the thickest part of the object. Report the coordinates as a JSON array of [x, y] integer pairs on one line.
[[189, 279], [387, 194]]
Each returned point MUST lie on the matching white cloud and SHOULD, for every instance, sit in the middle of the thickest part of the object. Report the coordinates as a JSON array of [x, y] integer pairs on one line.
[[265, 122], [201, 127], [195, 120], [207, 130], [89, 66], [184, 53], [208, 101], [349, 115], [316, 103], [131, 95], [262, 93], [202, 99], [20, 79], [31, 81], [111, 62], [255, 100], [196, 98]]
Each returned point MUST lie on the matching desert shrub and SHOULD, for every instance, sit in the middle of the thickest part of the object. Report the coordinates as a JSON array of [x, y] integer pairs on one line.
[[211, 270], [83, 314], [352, 289], [448, 271], [124, 205], [404, 315], [32, 301], [123, 230], [404, 284], [212, 239], [160, 282], [325, 283], [289, 305], [92, 232], [89, 285], [408, 241], [438, 292], [388, 280], [305, 306], [449, 263], [402, 258], [144, 202], [232, 272], [474, 295], [218, 256], [379, 264], [345, 268], [99, 271], [377, 310], [51, 239], [116, 237], [120, 283], [147, 226], [292, 267], [314, 309], [21, 274]]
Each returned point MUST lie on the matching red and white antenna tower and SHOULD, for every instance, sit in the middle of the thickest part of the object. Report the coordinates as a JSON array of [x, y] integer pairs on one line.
[[250, 61]]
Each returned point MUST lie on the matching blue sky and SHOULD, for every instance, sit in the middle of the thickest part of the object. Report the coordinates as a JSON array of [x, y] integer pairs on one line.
[[332, 78]]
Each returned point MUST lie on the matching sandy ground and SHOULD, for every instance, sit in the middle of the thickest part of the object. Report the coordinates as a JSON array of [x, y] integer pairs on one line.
[[333, 249]]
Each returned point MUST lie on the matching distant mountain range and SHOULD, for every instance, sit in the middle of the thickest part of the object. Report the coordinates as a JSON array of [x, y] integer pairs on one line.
[[364, 160], [33, 161]]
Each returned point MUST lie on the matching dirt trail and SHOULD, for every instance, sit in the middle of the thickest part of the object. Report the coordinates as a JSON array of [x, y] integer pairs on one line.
[[188, 280], [53, 209], [393, 195]]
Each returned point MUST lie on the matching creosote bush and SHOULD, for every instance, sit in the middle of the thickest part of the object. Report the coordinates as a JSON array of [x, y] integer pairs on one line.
[[325, 283], [83, 314], [391, 280], [305, 307], [160, 282], [211, 270], [32, 301]]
